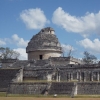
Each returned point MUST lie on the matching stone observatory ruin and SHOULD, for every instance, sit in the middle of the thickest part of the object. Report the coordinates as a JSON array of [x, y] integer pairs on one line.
[[47, 72], [43, 45]]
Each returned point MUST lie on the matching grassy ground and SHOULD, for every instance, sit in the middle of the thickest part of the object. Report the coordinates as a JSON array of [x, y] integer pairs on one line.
[[33, 98], [2, 94], [49, 97]]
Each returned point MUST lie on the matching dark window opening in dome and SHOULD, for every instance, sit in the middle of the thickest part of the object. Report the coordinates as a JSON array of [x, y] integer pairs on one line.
[[41, 57]]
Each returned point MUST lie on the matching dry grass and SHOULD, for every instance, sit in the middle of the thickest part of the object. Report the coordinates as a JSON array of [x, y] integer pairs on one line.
[[49, 97], [33, 98]]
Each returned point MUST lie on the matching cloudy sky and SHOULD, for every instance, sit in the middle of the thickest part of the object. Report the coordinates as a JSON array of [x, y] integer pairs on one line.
[[76, 24]]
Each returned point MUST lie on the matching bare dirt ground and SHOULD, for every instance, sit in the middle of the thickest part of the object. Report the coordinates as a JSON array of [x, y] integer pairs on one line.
[[32, 98]]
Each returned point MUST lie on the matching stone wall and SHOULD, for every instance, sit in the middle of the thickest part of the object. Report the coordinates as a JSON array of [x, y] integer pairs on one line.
[[41, 88], [65, 73], [19, 76], [68, 88], [36, 75], [27, 88], [61, 88], [46, 54], [59, 60], [65, 60], [88, 88], [7, 60], [7, 76]]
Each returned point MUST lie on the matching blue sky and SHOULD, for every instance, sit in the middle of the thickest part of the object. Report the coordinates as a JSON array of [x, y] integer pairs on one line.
[[76, 24]]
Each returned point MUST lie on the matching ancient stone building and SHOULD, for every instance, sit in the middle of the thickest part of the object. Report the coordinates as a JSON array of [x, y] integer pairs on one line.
[[43, 45], [46, 71]]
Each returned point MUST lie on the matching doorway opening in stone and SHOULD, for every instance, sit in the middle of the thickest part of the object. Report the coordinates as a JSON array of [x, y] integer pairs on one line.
[[41, 57]]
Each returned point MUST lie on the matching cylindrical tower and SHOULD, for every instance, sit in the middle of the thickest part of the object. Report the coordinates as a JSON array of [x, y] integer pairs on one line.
[[43, 45]]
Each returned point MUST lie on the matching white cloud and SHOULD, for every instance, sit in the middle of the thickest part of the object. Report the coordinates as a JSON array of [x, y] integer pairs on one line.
[[2, 43], [83, 25], [22, 51], [34, 18], [66, 47], [93, 46], [8, 40], [19, 41], [15, 39]]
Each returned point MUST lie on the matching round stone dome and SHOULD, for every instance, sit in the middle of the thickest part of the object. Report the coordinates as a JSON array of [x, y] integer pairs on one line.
[[45, 40]]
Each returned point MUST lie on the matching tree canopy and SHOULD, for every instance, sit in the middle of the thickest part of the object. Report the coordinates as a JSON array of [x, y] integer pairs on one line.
[[89, 58], [7, 53]]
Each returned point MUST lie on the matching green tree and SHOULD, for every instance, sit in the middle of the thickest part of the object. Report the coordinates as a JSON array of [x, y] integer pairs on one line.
[[89, 58], [7, 53]]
